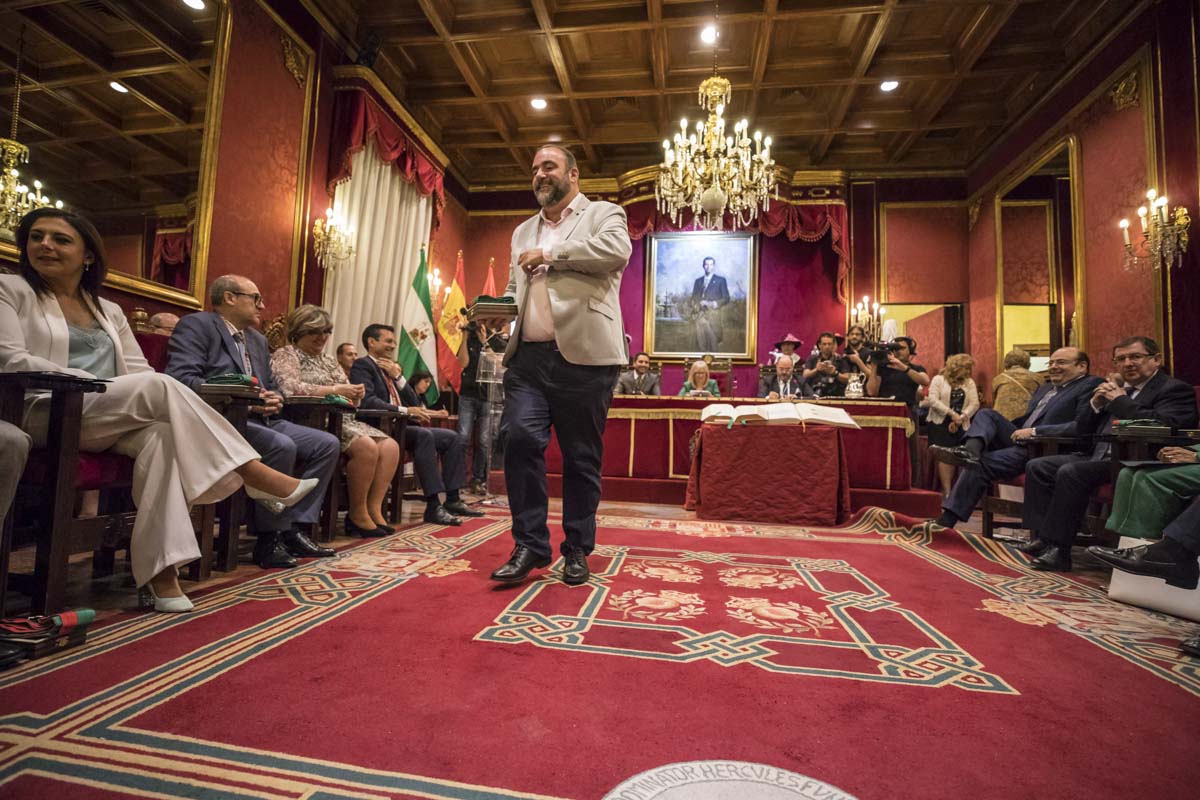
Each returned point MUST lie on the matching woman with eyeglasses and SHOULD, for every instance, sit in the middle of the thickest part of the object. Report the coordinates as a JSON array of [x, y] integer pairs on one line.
[[53, 319], [304, 368]]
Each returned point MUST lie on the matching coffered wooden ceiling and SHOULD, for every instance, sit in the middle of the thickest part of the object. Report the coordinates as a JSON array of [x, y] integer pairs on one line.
[[619, 74], [101, 151]]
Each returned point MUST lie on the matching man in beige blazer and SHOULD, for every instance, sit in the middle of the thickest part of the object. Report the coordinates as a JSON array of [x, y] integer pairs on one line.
[[563, 359]]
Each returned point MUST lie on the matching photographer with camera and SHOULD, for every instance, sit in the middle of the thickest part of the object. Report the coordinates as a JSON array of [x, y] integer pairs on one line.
[[824, 372], [856, 356], [897, 377]]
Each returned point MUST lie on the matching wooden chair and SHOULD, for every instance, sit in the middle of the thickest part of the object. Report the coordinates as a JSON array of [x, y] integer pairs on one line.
[[53, 477], [393, 423]]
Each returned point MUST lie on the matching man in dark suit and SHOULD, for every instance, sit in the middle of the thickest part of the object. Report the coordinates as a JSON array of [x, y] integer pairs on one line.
[[1057, 488], [785, 382], [639, 380], [709, 293], [222, 341], [1175, 558], [995, 448], [385, 388]]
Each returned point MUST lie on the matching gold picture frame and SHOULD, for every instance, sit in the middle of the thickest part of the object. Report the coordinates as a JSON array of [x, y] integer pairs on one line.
[[685, 316]]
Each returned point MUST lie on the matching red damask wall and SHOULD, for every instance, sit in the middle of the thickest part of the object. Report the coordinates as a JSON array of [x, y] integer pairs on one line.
[[1026, 251], [448, 239], [254, 204], [926, 252], [982, 288], [929, 330]]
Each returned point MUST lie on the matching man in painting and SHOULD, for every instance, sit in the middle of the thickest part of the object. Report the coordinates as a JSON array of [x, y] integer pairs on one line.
[[709, 294]]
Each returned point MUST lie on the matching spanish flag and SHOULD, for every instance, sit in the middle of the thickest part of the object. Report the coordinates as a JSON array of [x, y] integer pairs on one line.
[[449, 336]]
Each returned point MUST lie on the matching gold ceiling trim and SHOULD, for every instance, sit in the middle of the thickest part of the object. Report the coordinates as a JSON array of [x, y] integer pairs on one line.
[[641, 175], [351, 72]]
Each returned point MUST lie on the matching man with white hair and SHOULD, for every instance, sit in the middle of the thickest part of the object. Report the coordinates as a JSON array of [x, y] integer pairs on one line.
[[784, 383], [163, 323]]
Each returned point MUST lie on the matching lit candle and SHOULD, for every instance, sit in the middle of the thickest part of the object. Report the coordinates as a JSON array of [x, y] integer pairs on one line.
[[1150, 195], [1142, 217], [1125, 230]]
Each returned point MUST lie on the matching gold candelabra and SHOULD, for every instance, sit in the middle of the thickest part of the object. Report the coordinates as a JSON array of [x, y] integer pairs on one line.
[[331, 240], [1164, 237], [870, 316], [17, 198], [711, 172]]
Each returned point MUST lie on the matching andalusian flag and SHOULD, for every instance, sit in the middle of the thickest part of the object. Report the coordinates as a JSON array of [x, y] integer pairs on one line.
[[449, 334], [418, 343]]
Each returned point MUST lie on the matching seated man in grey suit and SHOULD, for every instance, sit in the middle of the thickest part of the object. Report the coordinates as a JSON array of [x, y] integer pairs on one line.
[[1172, 558], [639, 380], [222, 341], [785, 382], [385, 388], [995, 448]]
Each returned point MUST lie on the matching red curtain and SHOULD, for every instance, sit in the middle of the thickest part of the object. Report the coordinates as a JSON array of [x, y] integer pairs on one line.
[[808, 222], [172, 250], [358, 119]]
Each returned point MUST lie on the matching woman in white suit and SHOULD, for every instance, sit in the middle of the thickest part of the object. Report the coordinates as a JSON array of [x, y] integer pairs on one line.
[[52, 319]]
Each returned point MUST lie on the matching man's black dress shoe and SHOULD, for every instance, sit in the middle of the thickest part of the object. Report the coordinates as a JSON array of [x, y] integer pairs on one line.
[[440, 516], [367, 533], [273, 557], [461, 509], [1181, 574], [1191, 645], [1053, 559], [300, 546], [517, 568], [575, 568], [958, 455], [1033, 547]]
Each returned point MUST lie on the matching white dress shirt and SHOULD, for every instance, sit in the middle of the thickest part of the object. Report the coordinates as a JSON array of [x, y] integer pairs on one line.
[[538, 325]]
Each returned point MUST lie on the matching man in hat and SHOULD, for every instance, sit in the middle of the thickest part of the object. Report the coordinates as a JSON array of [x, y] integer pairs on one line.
[[787, 346], [709, 293]]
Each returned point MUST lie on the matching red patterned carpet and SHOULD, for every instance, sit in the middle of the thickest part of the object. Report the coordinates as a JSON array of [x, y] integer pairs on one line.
[[886, 661]]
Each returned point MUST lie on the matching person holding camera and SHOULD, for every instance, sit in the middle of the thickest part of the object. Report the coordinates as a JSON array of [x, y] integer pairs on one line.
[[824, 372], [897, 377]]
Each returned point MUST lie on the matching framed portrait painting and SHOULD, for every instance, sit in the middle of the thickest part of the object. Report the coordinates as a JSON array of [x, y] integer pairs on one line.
[[702, 296]]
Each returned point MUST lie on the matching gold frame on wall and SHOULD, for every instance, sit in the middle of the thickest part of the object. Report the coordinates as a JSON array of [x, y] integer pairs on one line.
[[1078, 256], [747, 356], [204, 195]]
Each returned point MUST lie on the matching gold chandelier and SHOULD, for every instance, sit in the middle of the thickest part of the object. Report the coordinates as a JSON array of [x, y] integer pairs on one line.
[[711, 172], [16, 198]]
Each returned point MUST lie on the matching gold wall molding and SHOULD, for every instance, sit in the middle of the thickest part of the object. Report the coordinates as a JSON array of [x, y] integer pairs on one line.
[[294, 61], [1126, 93], [973, 213]]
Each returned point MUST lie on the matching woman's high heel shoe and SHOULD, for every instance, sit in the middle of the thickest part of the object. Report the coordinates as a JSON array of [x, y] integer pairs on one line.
[[278, 504], [170, 605]]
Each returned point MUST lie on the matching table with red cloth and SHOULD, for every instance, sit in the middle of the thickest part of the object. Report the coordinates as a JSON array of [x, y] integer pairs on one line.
[[649, 438], [787, 474]]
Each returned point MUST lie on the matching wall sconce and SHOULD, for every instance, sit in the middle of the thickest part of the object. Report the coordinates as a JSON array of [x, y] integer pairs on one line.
[[331, 241], [1164, 237]]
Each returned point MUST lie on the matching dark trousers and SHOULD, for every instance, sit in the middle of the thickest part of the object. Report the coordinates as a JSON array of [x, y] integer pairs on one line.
[[281, 444], [542, 389], [426, 445], [1001, 460], [1057, 490], [1185, 529]]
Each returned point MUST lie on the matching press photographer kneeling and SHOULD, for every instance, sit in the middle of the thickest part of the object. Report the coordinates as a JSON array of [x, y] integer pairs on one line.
[[897, 377]]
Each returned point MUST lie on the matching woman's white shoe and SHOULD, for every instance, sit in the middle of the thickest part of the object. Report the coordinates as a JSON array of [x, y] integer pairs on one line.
[[171, 605], [278, 504]]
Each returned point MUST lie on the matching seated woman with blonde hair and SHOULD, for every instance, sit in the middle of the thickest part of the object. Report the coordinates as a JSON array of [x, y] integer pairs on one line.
[[304, 368], [952, 400], [698, 384], [53, 319], [1012, 388]]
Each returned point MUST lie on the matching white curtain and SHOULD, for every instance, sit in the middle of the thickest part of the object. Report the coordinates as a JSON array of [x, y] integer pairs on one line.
[[390, 221]]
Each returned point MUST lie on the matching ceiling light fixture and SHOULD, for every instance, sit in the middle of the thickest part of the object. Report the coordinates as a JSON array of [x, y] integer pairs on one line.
[[712, 173], [198, 5], [889, 86], [539, 103], [709, 34], [116, 87]]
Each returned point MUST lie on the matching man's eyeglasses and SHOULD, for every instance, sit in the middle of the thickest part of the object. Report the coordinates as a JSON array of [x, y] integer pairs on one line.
[[256, 297], [1133, 358]]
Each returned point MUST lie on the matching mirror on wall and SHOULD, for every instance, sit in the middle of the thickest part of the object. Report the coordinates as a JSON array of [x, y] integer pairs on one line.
[[115, 108], [1037, 249]]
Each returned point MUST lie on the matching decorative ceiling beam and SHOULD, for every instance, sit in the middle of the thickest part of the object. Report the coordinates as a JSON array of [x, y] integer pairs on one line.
[[986, 23], [876, 31], [559, 62], [762, 50], [145, 21]]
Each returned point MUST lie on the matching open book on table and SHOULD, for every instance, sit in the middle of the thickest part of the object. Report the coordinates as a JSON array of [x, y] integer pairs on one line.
[[777, 414]]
